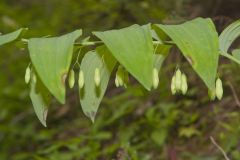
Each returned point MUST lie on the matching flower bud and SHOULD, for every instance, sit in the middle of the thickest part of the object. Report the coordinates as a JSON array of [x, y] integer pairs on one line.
[[81, 79], [184, 85], [173, 86], [97, 77], [126, 79], [71, 78], [155, 78], [178, 80], [27, 75], [212, 94], [219, 89], [34, 78], [120, 76], [120, 81], [116, 81]]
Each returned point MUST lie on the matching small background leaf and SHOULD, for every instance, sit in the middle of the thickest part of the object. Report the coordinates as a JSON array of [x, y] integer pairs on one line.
[[11, 36]]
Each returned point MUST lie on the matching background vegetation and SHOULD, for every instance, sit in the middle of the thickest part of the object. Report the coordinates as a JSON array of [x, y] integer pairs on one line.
[[132, 123]]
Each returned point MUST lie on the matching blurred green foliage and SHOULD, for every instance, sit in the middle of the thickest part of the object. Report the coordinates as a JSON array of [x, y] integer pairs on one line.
[[131, 124]]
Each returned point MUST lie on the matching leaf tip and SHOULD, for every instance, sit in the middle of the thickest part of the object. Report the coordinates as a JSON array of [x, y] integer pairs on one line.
[[44, 124], [62, 99], [91, 115], [92, 119], [44, 118]]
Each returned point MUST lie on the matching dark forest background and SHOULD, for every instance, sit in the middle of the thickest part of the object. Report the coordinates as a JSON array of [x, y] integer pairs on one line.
[[131, 124]]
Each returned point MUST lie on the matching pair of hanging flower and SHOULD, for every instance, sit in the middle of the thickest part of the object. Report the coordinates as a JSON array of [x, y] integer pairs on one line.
[[179, 85]]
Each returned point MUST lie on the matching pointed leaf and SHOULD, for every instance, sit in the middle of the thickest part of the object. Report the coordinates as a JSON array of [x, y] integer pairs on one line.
[[236, 54], [133, 48], [40, 98], [227, 37], [51, 58], [198, 41], [90, 95], [7, 38]]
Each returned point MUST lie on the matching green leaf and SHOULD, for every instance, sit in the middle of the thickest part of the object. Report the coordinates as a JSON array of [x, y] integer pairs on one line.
[[7, 38], [90, 95], [163, 51], [198, 41], [40, 98], [236, 54], [133, 48], [188, 132], [227, 37], [159, 136], [51, 58]]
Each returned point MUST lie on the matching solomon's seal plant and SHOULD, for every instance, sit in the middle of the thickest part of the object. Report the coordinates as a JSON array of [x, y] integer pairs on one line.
[[140, 50]]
